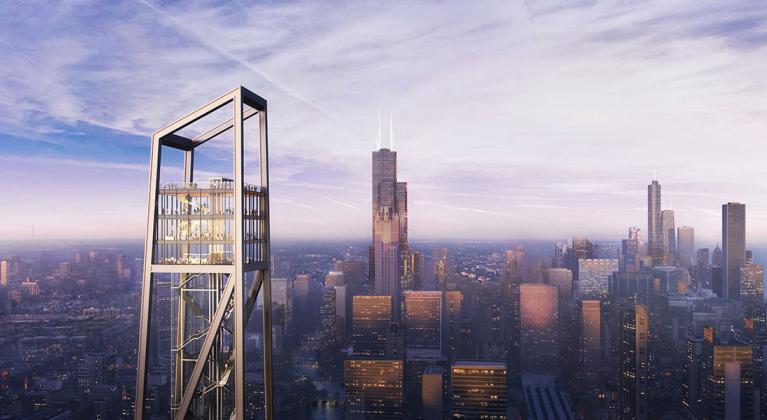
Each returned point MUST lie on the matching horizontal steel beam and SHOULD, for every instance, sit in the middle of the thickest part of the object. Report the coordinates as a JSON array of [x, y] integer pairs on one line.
[[215, 131], [193, 268]]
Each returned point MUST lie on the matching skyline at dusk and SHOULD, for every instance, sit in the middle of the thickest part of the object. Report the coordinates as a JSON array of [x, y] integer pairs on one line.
[[523, 121]]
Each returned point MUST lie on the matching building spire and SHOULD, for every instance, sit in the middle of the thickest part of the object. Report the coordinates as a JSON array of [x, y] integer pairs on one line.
[[391, 131], [378, 143]]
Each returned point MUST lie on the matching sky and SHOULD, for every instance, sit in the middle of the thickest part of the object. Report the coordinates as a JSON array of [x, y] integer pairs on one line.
[[513, 119]]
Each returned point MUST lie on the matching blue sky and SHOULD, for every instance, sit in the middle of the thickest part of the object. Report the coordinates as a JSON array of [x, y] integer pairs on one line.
[[534, 119]]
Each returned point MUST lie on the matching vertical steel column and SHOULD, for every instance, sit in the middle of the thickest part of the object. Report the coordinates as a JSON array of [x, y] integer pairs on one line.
[[267, 276], [146, 291], [239, 248]]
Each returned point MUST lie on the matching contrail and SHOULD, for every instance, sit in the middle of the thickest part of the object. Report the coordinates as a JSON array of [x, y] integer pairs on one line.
[[340, 203], [178, 24]]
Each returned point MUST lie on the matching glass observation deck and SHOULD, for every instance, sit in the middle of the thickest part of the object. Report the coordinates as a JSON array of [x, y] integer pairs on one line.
[[195, 223]]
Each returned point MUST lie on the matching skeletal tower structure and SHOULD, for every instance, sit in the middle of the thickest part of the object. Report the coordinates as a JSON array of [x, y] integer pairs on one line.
[[211, 242]]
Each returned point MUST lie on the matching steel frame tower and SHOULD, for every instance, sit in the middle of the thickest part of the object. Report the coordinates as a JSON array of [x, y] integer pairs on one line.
[[214, 243]]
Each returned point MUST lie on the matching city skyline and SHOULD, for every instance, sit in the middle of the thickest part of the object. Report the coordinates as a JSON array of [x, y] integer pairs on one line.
[[538, 134]]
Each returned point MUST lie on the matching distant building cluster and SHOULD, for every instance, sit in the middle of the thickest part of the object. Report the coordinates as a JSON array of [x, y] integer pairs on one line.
[[641, 328]]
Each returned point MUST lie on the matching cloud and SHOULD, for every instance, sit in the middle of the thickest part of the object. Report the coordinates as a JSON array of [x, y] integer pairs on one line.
[[514, 106]]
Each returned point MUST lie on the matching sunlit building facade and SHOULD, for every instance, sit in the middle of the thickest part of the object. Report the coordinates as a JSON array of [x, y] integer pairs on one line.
[[593, 277], [371, 324], [733, 247], [423, 324], [539, 315]]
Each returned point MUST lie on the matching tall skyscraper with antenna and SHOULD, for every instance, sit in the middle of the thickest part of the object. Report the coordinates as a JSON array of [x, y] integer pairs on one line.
[[389, 221]]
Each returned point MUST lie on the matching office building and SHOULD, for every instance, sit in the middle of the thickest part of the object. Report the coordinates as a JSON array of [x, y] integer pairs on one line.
[[432, 393], [301, 293], [562, 278], [654, 222], [343, 313], [702, 270], [282, 302], [4, 273], [727, 382], [452, 330], [630, 257], [328, 333], [685, 245], [478, 390], [539, 316], [443, 267], [669, 236], [559, 260], [634, 324], [334, 278], [733, 247], [412, 278], [389, 215], [371, 324], [590, 335], [582, 249], [355, 274], [423, 324], [593, 277], [374, 388], [752, 284], [387, 252]]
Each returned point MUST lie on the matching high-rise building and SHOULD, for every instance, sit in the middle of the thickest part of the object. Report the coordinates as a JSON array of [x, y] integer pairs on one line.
[[423, 324], [328, 333], [390, 203], [355, 273], [733, 247], [685, 245], [371, 324], [334, 278], [374, 388], [539, 316], [387, 254], [634, 368], [752, 284], [630, 258], [727, 382], [669, 236], [452, 331], [343, 312], [716, 257], [562, 278], [432, 393], [702, 273], [413, 276], [559, 260], [4, 273], [591, 335], [443, 267], [582, 249], [478, 390], [282, 302], [510, 293], [95, 369], [301, 293], [593, 277], [654, 222]]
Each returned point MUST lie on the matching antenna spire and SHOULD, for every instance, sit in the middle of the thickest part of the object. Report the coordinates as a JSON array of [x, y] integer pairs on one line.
[[378, 143], [391, 131]]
